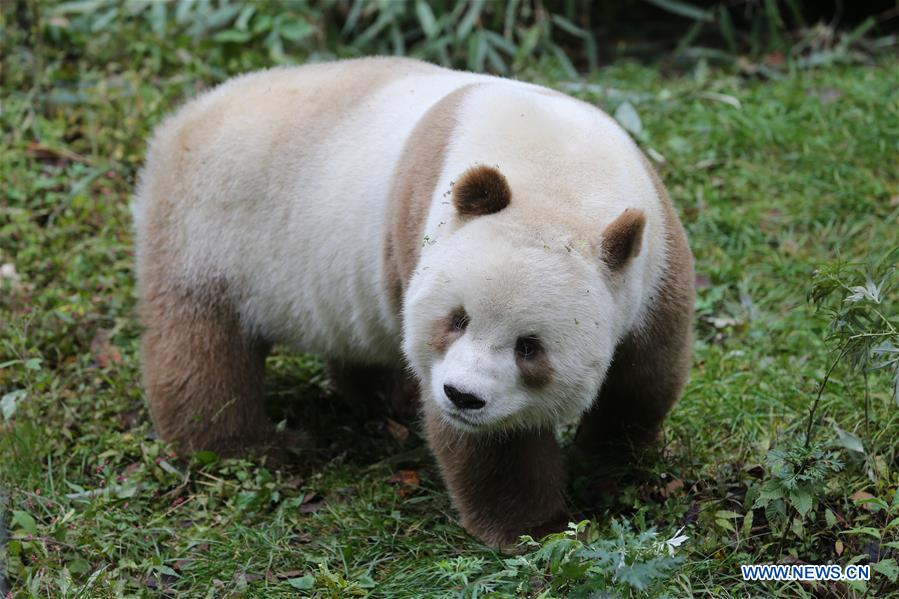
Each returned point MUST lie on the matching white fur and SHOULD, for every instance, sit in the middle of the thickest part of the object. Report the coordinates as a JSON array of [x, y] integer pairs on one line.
[[298, 229]]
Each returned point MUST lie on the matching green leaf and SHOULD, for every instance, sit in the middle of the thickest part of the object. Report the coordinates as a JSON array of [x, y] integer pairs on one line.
[[303, 583], [79, 566], [797, 528], [683, 9], [864, 530], [33, 364], [10, 402], [24, 521], [802, 500], [244, 18], [888, 568], [725, 524], [158, 24], [295, 29], [232, 35], [469, 19], [746, 529], [126, 492], [263, 23], [725, 514], [78, 7], [848, 441], [627, 117], [167, 571], [221, 16], [426, 18], [205, 456], [169, 468], [830, 518]]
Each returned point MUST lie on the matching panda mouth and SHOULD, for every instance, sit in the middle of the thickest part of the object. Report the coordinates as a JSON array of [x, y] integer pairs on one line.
[[479, 424], [463, 419]]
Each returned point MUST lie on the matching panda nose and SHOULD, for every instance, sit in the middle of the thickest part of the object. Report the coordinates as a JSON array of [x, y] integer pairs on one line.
[[465, 401]]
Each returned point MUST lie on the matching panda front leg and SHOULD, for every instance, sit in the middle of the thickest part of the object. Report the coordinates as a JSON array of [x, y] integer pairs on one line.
[[644, 382], [504, 484]]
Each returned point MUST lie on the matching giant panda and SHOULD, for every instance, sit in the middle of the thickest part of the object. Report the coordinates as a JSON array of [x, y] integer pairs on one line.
[[505, 245]]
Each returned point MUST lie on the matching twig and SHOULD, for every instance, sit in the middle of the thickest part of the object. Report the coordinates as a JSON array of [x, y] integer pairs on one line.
[[4, 584], [811, 415], [867, 407]]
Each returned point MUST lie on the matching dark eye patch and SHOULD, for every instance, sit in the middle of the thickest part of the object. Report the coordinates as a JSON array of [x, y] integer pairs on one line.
[[445, 331], [533, 361]]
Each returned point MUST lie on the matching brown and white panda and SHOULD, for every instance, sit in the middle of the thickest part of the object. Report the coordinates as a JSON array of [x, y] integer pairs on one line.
[[508, 244]]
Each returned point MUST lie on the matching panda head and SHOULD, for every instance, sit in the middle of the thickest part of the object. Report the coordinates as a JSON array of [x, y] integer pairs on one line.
[[505, 330]]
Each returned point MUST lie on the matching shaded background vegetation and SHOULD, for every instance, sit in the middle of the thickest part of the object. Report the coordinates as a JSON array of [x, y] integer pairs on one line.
[[502, 36]]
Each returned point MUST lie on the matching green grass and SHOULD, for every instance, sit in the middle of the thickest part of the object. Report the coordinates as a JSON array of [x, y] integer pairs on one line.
[[772, 177]]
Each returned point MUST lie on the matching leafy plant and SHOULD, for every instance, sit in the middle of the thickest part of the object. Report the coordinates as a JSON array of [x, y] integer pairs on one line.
[[628, 564], [876, 535], [858, 299], [796, 478], [499, 36], [772, 26]]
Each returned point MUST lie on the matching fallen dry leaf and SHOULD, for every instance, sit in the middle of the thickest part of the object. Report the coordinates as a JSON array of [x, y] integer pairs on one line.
[[692, 514], [103, 351], [756, 471], [774, 59], [862, 495], [407, 480], [181, 564], [312, 503], [405, 477], [294, 483], [397, 430], [671, 487], [56, 155]]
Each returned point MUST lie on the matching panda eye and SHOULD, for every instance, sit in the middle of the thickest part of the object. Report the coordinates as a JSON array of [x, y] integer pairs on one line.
[[459, 320], [528, 347]]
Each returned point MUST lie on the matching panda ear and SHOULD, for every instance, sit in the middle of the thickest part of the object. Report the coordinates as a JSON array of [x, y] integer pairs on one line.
[[621, 240], [481, 190]]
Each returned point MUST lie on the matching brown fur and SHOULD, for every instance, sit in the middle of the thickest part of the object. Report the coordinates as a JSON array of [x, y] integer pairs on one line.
[[621, 239], [503, 485], [414, 185], [481, 190], [537, 371], [651, 365], [444, 332], [203, 374], [375, 391]]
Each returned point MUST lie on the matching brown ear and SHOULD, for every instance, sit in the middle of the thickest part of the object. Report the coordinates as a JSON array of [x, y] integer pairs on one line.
[[481, 190], [621, 239]]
